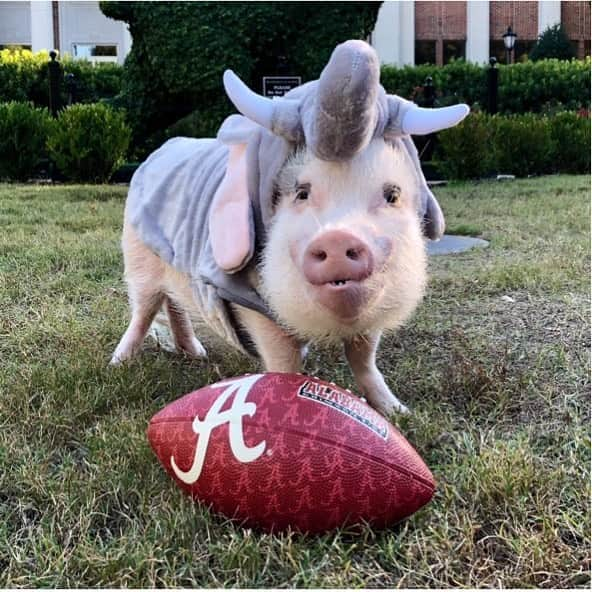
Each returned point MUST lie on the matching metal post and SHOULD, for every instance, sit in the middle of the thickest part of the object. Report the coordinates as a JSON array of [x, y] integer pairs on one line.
[[429, 92], [426, 144], [55, 74], [492, 80], [70, 81]]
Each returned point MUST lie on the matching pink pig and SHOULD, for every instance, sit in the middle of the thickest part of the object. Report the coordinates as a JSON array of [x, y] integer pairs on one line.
[[304, 221]]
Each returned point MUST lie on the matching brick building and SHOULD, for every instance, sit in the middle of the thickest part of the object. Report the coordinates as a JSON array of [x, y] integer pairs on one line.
[[406, 32], [418, 32]]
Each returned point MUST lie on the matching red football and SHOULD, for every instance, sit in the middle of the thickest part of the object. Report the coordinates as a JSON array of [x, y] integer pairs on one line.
[[287, 450]]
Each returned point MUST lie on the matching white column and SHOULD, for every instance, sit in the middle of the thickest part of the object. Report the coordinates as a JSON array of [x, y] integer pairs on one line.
[[126, 45], [407, 32], [387, 32], [478, 31], [549, 14], [41, 25]]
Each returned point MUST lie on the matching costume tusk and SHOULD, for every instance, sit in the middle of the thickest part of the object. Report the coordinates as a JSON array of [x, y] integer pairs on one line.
[[257, 108], [420, 121]]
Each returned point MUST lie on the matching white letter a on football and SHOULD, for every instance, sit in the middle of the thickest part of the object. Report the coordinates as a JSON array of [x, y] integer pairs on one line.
[[215, 418]]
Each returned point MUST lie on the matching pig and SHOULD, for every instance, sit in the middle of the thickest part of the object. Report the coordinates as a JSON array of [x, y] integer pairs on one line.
[[305, 220]]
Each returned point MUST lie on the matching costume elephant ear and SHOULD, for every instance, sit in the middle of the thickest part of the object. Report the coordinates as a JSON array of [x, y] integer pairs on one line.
[[232, 233], [433, 219], [433, 223]]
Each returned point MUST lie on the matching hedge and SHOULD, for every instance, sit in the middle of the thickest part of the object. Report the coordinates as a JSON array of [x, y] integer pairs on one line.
[[24, 77], [181, 50], [523, 87], [520, 145], [542, 87], [23, 133], [88, 142], [547, 86]]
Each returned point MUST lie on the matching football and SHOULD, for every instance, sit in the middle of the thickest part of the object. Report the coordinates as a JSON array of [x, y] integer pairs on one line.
[[279, 451]]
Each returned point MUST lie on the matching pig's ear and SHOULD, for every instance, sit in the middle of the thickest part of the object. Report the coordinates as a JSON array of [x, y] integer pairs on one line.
[[232, 233]]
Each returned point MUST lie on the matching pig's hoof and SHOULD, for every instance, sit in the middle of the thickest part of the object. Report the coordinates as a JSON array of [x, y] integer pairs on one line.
[[304, 349], [195, 349], [116, 360], [401, 409], [392, 407]]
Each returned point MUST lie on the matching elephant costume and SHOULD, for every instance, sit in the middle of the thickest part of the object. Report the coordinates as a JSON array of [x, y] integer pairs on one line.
[[203, 205]]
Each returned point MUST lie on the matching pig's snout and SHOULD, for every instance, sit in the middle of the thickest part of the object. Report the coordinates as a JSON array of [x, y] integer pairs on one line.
[[335, 257]]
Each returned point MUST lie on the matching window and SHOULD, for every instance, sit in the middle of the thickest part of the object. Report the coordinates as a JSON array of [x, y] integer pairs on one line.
[[425, 52], [94, 52], [581, 48], [454, 50], [522, 48], [497, 50]]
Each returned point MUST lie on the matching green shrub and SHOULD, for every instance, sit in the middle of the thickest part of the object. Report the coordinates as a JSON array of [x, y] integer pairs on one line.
[[466, 150], [570, 134], [19, 71], [88, 142], [94, 82], [523, 87], [23, 132], [462, 80], [181, 50], [519, 145], [553, 42], [522, 144], [24, 77], [533, 86]]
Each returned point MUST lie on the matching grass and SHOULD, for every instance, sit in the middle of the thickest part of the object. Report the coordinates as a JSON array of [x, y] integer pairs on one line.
[[495, 366]]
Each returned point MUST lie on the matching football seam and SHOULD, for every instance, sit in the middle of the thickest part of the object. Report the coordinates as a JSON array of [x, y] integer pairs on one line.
[[429, 485]]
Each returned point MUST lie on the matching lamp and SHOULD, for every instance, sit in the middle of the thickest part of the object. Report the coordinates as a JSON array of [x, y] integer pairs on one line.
[[509, 40]]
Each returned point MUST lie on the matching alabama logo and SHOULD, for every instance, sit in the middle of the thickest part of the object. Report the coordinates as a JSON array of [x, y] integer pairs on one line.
[[233, 416], [343, 403]]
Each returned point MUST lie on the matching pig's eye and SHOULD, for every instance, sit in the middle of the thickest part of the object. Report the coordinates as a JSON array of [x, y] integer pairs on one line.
[[302, 193], [392, 193]]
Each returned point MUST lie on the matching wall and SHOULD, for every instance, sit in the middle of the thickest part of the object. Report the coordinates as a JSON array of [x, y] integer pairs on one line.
[[440, 20], [521, 16], [83, 22], [15, 23], [575, 17]]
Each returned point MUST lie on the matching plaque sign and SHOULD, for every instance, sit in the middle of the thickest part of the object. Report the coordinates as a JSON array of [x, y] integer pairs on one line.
[[278, 86]]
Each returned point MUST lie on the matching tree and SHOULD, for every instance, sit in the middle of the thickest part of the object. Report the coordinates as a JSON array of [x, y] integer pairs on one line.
[[553, 42], [181, 49]]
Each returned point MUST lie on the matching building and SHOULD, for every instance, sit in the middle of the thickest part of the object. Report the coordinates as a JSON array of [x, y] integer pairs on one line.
[[406, 32], [77, 28], [417, 32]]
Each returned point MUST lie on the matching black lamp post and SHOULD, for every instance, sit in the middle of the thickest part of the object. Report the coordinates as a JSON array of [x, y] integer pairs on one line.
[[492, 76], [509, 41]]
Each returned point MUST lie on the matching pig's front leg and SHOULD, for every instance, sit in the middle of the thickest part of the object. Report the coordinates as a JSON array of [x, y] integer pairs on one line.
[[279, 351], [361, 355]]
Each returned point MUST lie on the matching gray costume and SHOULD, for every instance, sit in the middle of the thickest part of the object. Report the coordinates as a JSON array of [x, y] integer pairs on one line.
[[171, 194]]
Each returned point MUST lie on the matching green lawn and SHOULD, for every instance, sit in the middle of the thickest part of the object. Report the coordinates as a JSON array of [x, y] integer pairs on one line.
[[495, 365]]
